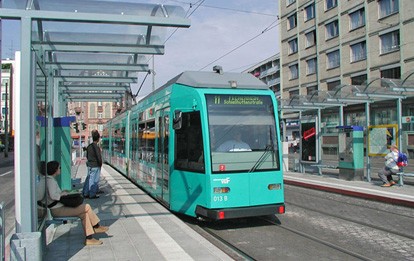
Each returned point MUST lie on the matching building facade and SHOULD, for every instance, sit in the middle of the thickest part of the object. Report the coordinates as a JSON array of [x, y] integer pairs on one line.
[[91, 115], [268, 71], [6, 97], [327, 44]]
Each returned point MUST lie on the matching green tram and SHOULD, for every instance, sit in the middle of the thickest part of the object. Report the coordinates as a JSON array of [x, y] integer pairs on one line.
[[206, 144]]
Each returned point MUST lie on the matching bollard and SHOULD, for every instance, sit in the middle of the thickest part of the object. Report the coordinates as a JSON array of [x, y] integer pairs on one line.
[[26, 246]]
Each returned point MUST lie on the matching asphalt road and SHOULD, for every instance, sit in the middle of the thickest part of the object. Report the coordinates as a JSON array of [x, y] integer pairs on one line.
[[7, 190]]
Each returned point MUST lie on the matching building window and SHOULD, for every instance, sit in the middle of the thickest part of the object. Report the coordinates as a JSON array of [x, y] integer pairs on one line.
[[294, 93], [310, 38], [289, 2], [332, 85], [99, 115], [387, 7], [311, 66], [332, 30], [309, 12], [108, 111], [294, 72], [292, 21], [358, 52], [92, 111], [333, 59], [331, 4], [359, 80], [357, 19], [394, 73], [311, 89], [390, 42], [293, 46]]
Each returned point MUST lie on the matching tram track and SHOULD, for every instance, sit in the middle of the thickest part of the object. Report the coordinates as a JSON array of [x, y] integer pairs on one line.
[[317, 226], [384, 229], [320, 241], [377, 210], [237, 253]]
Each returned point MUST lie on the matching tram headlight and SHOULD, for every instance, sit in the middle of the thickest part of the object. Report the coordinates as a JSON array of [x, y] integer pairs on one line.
[[221, 190], [275, 186]]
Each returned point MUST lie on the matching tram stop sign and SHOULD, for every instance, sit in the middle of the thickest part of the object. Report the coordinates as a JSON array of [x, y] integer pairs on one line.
[[407, 119]]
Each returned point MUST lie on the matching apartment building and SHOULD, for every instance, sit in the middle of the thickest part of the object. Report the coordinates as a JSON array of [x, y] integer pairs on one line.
[[326, 43], [268, 71]]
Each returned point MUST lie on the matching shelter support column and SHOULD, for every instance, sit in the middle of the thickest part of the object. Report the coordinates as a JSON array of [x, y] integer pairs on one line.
[[368, 118], [25, 199], [399, 116]]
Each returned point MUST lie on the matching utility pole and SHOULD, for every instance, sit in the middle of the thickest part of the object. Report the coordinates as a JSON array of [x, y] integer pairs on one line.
[[6, 125]]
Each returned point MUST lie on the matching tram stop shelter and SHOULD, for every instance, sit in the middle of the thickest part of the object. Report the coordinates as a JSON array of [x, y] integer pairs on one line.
[[78, 50], [308, 109]]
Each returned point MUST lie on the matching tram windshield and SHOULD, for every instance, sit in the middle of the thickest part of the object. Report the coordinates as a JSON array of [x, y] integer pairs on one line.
[[242, 133]]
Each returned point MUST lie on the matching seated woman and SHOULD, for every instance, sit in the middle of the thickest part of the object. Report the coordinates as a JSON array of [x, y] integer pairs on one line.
[[90, 220]]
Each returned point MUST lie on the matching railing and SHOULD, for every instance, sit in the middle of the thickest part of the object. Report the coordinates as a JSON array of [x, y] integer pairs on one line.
[[2, 231]]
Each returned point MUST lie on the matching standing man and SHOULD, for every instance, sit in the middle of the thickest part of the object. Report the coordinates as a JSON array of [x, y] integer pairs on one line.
[[94, 164]]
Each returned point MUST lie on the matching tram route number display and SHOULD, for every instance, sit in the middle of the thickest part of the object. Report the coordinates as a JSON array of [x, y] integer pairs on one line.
[[380, 138]]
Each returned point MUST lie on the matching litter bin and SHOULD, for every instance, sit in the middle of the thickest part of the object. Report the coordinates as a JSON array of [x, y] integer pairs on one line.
[[26, 246]]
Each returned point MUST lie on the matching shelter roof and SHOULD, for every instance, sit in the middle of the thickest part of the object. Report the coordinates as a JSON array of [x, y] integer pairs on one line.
[[95, 49]]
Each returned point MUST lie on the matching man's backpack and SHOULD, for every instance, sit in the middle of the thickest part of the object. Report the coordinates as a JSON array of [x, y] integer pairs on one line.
[[402, 159]]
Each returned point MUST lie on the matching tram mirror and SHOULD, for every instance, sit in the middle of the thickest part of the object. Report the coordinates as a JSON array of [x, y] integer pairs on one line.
[[177, 120]]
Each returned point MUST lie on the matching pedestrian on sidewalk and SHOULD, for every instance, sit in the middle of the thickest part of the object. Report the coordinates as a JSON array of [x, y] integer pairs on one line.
[[94, 164], [390, 167], [90, 220]]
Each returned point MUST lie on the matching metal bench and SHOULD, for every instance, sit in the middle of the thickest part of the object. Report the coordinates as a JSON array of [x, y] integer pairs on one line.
[[401, 176]]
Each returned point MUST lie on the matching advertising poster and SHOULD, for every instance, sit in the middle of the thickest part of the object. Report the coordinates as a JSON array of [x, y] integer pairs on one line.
[[380, 138]]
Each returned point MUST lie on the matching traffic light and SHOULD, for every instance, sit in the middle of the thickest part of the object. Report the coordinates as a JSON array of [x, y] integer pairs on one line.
[[83, 126], [76, 127]]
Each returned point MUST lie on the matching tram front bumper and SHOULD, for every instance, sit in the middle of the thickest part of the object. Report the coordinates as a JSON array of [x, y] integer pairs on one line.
[[229, 213]]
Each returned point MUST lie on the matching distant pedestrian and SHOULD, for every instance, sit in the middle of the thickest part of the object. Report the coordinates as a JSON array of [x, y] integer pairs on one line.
[[390, 167], [94, 164]]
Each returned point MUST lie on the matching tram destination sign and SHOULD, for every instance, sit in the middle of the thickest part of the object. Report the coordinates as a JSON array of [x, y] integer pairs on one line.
[[238, 100]]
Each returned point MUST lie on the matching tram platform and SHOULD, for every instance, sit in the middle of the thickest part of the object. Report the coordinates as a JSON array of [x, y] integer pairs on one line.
[[142, 229], [399, 195], [139, 228]]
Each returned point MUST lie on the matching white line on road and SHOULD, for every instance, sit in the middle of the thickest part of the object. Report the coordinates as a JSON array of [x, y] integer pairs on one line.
[[4, 174]]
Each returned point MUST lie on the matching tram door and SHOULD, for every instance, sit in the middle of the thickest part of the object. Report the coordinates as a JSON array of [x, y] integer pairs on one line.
[[162, 161]]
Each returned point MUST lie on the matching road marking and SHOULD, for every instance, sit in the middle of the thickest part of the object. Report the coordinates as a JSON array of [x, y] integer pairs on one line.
[[8, 172]]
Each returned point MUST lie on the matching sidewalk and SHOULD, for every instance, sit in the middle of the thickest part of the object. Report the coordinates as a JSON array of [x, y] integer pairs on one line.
[[140, 228]]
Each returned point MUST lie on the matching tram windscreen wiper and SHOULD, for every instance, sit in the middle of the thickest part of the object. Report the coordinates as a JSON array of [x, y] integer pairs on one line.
[[265, 155], [262, 158]]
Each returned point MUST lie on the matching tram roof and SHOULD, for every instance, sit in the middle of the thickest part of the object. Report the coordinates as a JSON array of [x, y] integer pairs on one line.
[[203, 79]]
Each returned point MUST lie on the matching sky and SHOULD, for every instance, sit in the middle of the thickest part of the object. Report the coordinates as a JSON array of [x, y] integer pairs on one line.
[[235, 34]]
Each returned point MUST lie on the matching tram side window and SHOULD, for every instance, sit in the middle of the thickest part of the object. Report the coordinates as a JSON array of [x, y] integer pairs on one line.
[[189, 144], [146, 134]]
